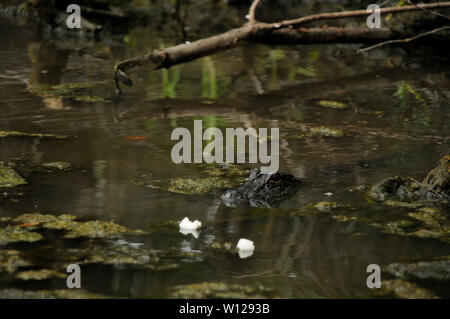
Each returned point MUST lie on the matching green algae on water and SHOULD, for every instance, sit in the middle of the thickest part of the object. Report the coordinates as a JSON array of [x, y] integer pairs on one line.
[[15, 234], [57, 165], [198, 186], [219, 290], [96, 229], [74, 228], [41, 274], [332, 104], [9, 177], [405, 290], [322, 131], [13, 293], [17, 133], [11, 260]]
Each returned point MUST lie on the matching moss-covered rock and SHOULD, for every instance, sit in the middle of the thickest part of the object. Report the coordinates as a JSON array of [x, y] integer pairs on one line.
[[435, 187], [433, 271], [9, 177], [402, 188], [438, 179]]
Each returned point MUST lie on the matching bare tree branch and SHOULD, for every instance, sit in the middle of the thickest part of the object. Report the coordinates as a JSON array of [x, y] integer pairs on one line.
[[251, 12], [404, 40]]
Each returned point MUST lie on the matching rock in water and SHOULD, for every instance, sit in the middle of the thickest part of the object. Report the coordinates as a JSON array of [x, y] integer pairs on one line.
[[262, 190], [9, 177], [402, 188], [435, 186], [438, 179]]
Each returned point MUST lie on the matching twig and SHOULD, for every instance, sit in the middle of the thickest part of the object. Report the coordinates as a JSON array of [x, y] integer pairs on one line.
[[403, 40], [251, 12], [431, 11]]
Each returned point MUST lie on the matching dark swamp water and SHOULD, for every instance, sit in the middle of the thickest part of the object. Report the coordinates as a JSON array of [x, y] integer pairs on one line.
[[397, 123]]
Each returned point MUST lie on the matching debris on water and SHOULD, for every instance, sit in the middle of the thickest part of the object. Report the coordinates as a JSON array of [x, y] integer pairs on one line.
[[321, 131], [325, 131], [332, 104], [192, 232], [58, 165], [325, 206], [245, 246], [228, 247], [132, 245], [9, 177], [17, 133], [186, 224], [245, 253], [328, 194], [90, 99]]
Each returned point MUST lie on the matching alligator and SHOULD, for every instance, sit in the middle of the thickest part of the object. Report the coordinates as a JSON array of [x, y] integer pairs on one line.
[[262, 190]]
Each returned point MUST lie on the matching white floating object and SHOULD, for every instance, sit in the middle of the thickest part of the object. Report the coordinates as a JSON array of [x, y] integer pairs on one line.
[[186, 224], [329, 194], [245, 253], [245, 245], [193, 232], [247, 16]]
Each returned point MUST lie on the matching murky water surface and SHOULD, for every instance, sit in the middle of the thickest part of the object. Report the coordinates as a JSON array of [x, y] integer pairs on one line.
[[386, 134]]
